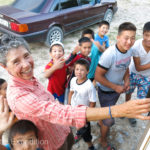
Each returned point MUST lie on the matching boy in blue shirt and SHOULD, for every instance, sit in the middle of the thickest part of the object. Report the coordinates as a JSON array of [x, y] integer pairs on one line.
[[101, 36]]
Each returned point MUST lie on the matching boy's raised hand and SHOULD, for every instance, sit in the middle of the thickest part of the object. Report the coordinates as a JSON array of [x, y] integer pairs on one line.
[[6, 118], [58, 64]]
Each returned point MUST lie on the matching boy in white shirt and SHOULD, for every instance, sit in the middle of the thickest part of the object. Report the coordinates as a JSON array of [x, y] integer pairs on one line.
[[82, 92], [140, 67]]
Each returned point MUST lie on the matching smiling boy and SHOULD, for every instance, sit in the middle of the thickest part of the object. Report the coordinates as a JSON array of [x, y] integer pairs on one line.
[[112, 74]]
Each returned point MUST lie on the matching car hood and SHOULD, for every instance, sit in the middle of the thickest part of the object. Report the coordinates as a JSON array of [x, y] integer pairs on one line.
[[15, 13]]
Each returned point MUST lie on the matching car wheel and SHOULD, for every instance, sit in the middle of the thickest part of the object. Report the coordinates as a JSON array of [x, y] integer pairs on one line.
[[54, 34], [108, 15]]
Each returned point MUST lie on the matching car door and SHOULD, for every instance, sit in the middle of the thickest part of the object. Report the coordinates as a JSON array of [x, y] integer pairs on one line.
[[93, 11], [71, 15]]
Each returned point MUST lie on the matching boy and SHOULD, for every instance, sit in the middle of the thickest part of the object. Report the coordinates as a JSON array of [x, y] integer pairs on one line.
[[140, 68], [101, 36], [85, 49], [28, 100], [96, 51], [3, 87], [82, 92], [56, 72], [23, 135], [113, 74]]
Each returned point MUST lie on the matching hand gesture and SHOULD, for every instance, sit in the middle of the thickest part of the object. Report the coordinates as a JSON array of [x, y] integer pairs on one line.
[[6, 118], [76, 49], [58, 64]]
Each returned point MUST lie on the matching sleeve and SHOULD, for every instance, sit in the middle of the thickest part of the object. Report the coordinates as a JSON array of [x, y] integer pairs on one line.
[[70, 59], [72, 84], [47, 66], [28, 104], [92, 93], [106, 59]]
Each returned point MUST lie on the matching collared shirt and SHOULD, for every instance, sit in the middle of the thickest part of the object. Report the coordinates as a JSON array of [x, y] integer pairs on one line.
[[29, 100]]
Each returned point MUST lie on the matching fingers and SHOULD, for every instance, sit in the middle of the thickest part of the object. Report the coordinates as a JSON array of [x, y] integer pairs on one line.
[[142, 117]]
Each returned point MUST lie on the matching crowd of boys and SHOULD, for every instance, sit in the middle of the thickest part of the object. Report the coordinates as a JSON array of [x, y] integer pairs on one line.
[[93, 63]]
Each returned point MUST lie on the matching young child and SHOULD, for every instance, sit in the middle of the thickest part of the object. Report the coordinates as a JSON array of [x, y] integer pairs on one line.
[[95, 54], [56, 72], [3, 87], [85, 45], [23, 136], [113, 74], [29, 100], [140, 68], [82, 92], [101, 36]]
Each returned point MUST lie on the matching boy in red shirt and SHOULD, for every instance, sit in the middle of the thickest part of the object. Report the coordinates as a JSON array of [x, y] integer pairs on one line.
[[56, 72]]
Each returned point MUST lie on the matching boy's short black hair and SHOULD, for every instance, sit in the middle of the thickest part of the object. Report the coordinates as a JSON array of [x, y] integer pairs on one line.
[[84, 40], [83, 62], [146, 27], [104, 23], [21, 127], [88, 31], [2, 81], [126, 26]]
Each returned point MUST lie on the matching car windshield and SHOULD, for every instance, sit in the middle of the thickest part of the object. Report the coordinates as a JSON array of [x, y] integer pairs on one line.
[[29, 5]]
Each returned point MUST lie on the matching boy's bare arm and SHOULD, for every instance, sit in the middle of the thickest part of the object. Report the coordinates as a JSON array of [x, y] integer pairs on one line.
[[126, 80], [138, 65], [69, 97], [100, 77], [57, 65]]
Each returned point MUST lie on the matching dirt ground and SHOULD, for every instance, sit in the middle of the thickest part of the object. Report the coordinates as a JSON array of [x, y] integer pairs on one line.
[[122, 135]]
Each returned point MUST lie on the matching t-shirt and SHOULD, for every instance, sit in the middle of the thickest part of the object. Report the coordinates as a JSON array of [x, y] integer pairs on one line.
[[116, 64], [102, 40], [144, 58], [94, 55], [57, 80], [71, 61], [84, 93]]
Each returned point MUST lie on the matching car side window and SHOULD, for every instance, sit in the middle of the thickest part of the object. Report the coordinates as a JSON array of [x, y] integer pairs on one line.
[[84, 2], [64, 4], [55, 6]]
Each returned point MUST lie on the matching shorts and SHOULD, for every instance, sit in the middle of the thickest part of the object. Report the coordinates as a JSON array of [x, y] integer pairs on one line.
[[141, 82], [85, 132], [60, 98], [106, 99]]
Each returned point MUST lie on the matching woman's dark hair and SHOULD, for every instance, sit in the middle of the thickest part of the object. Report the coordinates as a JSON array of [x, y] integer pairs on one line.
[[21, 127]]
